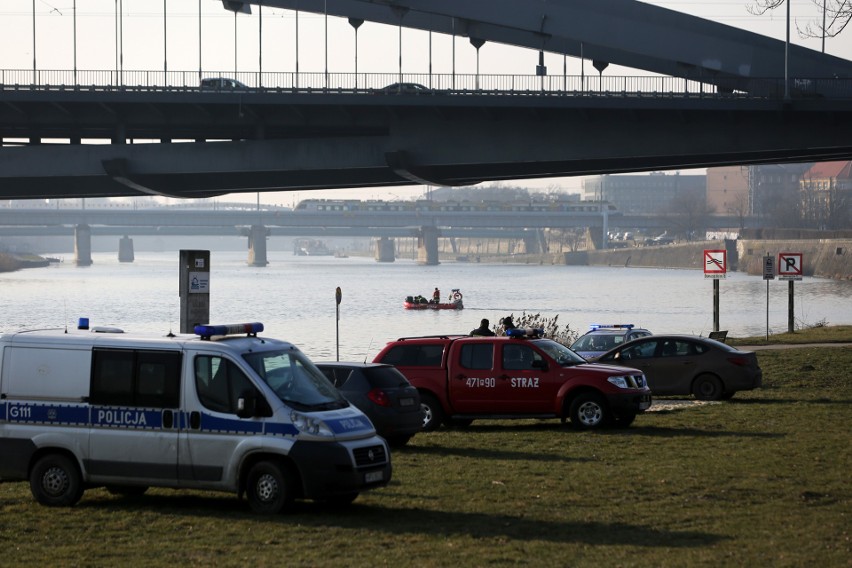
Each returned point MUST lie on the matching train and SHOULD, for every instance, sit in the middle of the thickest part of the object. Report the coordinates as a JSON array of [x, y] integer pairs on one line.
[[553, 206]]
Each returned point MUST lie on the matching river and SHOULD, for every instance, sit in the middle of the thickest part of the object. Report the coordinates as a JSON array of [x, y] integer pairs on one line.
[[295, 298]]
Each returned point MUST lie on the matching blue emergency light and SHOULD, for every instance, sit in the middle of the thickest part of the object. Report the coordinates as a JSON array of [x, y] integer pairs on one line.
[[525, 332], [207, 331], [595, 326]]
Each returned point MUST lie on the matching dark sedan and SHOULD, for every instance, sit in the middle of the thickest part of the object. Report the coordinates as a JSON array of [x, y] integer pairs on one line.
[[404, 89], [686, 364], [383, 394]]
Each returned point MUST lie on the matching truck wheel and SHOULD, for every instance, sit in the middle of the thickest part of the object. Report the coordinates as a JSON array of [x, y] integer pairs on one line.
[[433, 414], [269, 488], [55, 481], [589, 412], [707, 387]]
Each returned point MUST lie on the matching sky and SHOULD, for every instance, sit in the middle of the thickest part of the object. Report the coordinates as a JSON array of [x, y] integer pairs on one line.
[[49, 40]]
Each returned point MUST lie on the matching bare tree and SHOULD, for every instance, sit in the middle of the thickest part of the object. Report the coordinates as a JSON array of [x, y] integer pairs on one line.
[[838, 14]]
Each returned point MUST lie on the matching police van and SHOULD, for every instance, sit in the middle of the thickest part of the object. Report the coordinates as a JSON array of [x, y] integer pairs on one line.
[[223, 410]]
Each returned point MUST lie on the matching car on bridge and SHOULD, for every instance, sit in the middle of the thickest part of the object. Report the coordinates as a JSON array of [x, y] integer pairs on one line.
[[222, 84], [404, 89]]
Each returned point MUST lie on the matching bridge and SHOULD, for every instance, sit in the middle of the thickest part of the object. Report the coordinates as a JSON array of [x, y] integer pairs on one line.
[[724, 96], [426, 225]]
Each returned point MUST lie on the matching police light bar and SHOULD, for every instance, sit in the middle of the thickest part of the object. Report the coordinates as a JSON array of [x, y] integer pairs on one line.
[[525, 332], [207, 331], [611, 325]]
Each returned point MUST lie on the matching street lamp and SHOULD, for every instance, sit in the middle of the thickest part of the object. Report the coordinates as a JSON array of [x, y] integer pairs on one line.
[[356, 23]]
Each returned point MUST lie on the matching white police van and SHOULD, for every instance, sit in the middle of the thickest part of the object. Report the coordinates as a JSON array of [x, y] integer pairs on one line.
[[224, 410]]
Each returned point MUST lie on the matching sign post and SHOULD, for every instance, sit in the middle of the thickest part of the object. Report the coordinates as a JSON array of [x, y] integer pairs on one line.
[[715, 267], [768, 274], [194, 289], [338, 295], [790, 269]]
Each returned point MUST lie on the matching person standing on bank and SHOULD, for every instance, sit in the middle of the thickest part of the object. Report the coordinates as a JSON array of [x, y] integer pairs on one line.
[[507, 324], [484, 329]]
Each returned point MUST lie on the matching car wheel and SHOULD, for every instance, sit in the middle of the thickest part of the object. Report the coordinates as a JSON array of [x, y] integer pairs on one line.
[[589, 412], [269, 487], [55, 481], [707, 387], [433, 414]]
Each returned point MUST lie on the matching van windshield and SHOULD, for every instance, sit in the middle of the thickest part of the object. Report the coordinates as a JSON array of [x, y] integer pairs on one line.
[[295, 380]]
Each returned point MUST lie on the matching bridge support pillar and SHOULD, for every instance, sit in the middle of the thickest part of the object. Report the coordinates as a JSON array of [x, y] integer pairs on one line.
[[385, 249], [532, 243], [427, 246], [125, 249], [257, 245], [83, 245]]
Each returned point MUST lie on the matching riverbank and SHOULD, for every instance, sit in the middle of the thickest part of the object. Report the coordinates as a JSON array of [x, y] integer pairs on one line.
[[13, 262]]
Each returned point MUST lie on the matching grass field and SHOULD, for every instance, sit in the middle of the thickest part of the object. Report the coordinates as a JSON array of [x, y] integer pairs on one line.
[[761, 480]]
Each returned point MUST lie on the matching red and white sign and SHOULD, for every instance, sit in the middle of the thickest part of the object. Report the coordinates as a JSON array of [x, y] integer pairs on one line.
[[715, 263], [790, 265]]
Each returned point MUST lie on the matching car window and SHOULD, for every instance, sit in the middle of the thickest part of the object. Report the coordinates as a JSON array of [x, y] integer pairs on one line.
[[415, 355], [384, 377], [677, 348], [477, 356], [642, 350], [519, 357]]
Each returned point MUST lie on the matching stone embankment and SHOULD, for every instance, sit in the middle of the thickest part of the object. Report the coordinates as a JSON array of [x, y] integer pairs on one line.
[[823, 258]]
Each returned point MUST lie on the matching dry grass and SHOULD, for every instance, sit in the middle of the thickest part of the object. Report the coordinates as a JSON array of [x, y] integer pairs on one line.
[[762, 479]]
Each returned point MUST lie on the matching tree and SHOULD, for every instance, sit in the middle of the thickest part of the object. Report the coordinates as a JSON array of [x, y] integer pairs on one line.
[[838, 13]]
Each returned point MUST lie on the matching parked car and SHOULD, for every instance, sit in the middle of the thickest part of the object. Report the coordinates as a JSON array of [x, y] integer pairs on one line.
[[221, 84], [383, 394], [404, 89], [686, 364], [601, 338]]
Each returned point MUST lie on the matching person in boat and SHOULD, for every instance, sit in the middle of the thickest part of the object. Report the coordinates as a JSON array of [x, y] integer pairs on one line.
[[484, 329], [507, 324], [436, 296]]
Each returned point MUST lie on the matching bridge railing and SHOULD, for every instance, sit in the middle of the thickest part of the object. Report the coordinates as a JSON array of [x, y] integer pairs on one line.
[[498, 84]]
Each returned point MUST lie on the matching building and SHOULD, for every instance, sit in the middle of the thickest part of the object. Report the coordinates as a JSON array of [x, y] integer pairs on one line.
[[727, 190], [826, 195], [653, 193]]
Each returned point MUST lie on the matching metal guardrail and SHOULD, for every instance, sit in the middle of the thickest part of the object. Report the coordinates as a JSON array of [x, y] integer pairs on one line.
[[351, 83]]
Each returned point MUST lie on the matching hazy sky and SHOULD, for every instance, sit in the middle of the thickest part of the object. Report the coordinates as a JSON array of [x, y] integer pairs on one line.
[[145, 48]]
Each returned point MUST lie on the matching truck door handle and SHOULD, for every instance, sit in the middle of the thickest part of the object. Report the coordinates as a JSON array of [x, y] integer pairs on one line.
[[505, 377], [460, 377]]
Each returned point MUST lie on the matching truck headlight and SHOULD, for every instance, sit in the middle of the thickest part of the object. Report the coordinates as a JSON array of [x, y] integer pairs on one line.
[[620, 382], [310, 425]]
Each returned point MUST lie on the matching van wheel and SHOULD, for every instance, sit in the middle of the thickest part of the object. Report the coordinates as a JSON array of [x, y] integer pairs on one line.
[[707, 387], [589, 412], [269, 488], [433, 414], [55, 481]]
